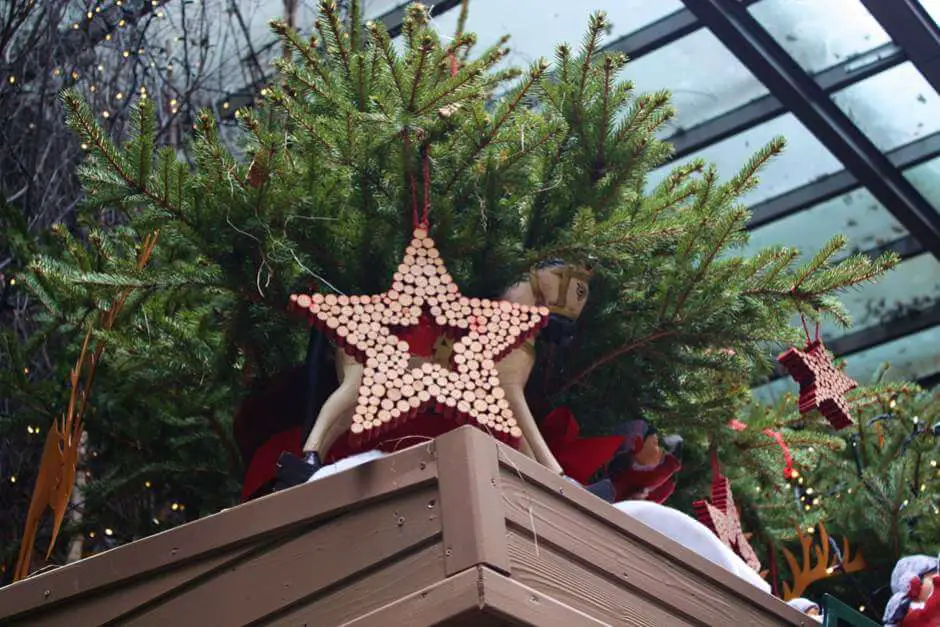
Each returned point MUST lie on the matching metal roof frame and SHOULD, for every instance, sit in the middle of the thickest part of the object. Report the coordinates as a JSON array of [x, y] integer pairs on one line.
[[769, 62]]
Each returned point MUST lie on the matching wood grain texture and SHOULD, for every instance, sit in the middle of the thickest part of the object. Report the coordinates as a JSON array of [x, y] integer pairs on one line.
[[105, 606], [588, 589], [589, 513], [451, 598], [370, 590], [634, 565], [231, 528], [519, 603], [471, 501], [322, 556]]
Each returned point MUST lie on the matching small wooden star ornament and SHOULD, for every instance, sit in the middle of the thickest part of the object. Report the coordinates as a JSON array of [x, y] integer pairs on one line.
[[721, 516], [822, 385], [397, 383]]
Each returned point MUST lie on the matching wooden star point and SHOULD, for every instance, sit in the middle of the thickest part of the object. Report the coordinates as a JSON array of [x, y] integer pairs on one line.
[[394, 388], [721, 516], [822, 385]]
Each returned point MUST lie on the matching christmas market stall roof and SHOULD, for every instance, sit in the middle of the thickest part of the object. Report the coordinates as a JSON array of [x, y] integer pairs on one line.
[[458, 531], [851, 84]]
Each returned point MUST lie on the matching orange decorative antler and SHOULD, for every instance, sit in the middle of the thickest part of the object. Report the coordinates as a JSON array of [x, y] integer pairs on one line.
[[807, 573], [56, 476]]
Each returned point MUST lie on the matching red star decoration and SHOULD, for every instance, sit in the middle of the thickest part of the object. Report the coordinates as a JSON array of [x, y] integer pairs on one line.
[[394, 388], [822, 385], [721, 516]]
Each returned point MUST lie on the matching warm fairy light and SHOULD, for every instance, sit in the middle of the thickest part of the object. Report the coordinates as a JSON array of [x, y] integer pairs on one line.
[[84, 146], [893, 402], [100, 68], [800, 481], [174, 110], [175, 506], [126, 53], [225, 105], [830, 570], [861, 608], [923, 487], [916, 419], [26, 368], [147, 484], [97, 9], [12, 80], [806, 507], [156, 521], [264, 91], [108, 532], [75, 26], [173, 102], [107, 37], [91, 534], [12, 478], [121, 23], [169, 67], [933, 463], [795, 473], [105, 114], [809, 490], [811, 450], [119, 96], [90, 15], [810, 530], [93, 88], [56, 72], [904, 504], [757, 489], [13, 282], [160, 14], [74, 75]]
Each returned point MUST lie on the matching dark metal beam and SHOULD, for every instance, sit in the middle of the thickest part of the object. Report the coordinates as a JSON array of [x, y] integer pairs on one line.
[[767, 60], [394, 18], [912, 28], [660, 33], [768, 107], [838, 183]]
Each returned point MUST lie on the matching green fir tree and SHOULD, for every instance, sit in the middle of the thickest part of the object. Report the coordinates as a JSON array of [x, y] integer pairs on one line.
[[525, 165]]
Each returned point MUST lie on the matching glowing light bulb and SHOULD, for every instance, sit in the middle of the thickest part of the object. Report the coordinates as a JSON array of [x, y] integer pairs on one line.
[[91, 534], [108, 532], [12, 478], [175, 506], [12, 80], [147, 484], [105, 114], [809, 490]]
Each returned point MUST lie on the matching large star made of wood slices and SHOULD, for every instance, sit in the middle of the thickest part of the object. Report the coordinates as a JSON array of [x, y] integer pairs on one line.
[[721, 516], [394, 388], [822, 385]]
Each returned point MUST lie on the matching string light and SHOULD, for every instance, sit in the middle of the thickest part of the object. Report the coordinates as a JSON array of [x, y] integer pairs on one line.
[[90, 15], [105, 114], [75, 26], [156, 521], [811, 450], [74, 75], [107, 37], [108, 532], [126, 53], [923, 487], [91, 534], [12, 80], [147, 484], [830, 570], [809, 490], [225, 105], [861, 608], [933, 463], [119, 96], [893, 402], [175, 506], [12, 478], [25, 369], [121, 23], [100, 68], [13, 282], [84, 146]]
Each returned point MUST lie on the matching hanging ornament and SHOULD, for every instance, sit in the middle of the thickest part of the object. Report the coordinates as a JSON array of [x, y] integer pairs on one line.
[[721, 516], [822, 385]]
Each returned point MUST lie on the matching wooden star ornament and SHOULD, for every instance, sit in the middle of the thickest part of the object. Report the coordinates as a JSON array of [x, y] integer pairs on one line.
[[822, 385], [721, 516], [397, 381]]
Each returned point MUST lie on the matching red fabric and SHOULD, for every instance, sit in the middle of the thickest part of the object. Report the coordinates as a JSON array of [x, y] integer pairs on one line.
[[652, 482], [579, 457], [929, 615], [263, 465]]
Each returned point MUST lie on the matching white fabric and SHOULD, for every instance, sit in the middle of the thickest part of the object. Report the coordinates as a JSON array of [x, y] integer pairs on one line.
[[693, 535], [346, 463], [804, 605]]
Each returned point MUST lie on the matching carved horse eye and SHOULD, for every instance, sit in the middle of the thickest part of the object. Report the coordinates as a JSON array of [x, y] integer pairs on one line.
[[581, 291]]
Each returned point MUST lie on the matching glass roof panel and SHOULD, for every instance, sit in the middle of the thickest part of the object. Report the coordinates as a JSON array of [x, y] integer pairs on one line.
[[857, 214], [933, 8], [926, 178], [537, 26], [820, 34], [892, 108], [912, 357], [372, 9], [803, 160], [722, 84]]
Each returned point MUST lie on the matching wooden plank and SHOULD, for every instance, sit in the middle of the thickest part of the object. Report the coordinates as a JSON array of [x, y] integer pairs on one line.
[[447, 599], [368, 592], [324, 556], [590, 590], [530, 478], [638, 565], [97, 609], [242, 524], [506, 597], [471, 496]]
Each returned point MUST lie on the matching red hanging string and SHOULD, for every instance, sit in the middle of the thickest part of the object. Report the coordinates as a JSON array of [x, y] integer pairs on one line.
[[787, 456], [453, 63], [809, 339], [716, 470]]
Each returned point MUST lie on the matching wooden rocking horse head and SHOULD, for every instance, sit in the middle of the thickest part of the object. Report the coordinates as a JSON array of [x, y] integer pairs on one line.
[[562, 287]]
